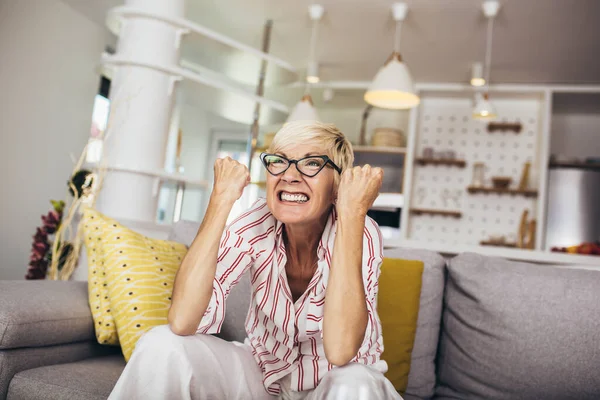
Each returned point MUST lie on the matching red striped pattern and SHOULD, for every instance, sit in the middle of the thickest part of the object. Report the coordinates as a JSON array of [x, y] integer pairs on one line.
[[286, 337]]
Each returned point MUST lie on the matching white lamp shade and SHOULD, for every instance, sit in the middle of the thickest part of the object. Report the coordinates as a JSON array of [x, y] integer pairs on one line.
[[392, 87], [484, 110], [304, 110]]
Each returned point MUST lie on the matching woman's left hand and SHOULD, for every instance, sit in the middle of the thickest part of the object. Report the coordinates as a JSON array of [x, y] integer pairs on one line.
[[359, 187]]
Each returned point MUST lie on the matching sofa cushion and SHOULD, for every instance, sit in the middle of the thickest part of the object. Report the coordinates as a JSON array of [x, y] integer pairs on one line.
[[519, 331], [422, 377], [138, 272], [238, 301], [13, 361], [89, 379], [43, 313], [398, 309]]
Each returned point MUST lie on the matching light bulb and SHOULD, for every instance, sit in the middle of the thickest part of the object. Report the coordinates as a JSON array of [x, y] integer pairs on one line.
[[484, 109], [312, 72], [477, 74]]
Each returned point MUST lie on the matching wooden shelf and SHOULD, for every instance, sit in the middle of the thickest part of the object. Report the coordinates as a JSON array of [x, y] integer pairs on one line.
[[379, 149], [513, 192], [444, 213], [498, 244], [448, 162], [515, 127]]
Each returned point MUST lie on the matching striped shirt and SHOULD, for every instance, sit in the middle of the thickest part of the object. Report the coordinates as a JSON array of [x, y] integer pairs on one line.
[[286, 337]]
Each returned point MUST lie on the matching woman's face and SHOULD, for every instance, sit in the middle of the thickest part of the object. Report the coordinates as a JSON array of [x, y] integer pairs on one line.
[[294, 198]]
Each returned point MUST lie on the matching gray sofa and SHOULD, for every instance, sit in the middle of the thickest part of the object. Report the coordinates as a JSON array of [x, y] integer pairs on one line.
[[487, 329]]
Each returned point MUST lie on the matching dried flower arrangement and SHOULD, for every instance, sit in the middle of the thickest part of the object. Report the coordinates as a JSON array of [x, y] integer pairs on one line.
[[48, 240], [41, 254]]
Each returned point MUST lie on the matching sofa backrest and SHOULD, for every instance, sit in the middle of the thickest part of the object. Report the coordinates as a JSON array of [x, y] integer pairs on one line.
[[519, 331]]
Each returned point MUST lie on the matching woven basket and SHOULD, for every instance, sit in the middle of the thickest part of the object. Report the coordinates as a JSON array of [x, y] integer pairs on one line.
[[388, 137]]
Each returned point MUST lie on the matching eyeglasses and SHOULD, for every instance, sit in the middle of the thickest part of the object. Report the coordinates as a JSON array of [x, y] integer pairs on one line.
[[308, 166]]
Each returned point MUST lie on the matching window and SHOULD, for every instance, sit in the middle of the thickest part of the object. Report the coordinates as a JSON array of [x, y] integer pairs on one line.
[[100, 114]]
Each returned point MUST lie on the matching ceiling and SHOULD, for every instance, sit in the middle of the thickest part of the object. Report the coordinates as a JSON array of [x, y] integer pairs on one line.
[[534, 42]]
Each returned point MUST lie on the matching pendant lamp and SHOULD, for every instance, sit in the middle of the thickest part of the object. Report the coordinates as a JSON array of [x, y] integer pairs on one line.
[[316, 12], [305, 109], [484, 109], [393, 87]]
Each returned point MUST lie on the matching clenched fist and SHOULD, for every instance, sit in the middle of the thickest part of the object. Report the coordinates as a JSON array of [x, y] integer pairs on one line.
[[231, 178], [359, 187]]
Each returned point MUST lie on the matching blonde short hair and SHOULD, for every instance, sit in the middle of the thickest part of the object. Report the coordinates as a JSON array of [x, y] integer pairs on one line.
[[334, 143]]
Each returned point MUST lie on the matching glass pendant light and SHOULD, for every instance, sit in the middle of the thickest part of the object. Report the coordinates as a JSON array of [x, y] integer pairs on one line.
[[305, 109], [316, 12], [484, 110]]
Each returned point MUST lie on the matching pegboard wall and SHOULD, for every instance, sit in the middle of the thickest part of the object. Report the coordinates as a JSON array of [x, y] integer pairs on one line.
[[445, 124]]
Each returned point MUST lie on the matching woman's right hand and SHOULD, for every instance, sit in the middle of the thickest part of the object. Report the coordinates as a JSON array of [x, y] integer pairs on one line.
[[231, 178]]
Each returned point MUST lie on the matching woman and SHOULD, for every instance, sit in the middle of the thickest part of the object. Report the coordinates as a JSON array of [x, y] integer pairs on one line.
[[313, 256]]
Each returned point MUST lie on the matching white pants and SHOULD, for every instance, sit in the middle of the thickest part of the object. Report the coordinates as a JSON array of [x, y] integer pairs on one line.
[[167, 366]]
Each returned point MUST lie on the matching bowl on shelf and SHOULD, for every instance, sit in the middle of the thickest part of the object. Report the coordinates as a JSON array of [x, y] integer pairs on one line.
[[501, 182], [497, 239]]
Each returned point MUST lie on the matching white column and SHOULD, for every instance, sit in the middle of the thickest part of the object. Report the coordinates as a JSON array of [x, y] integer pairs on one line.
[[141, 107]]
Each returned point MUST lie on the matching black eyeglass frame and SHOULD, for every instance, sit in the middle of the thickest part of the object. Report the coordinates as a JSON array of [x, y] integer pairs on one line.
[[290, 162]]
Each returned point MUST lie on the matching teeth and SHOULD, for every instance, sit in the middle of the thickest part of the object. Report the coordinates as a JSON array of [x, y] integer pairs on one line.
[[298, 198]]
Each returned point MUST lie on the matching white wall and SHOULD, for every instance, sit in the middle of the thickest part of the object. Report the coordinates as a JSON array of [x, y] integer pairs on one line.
[[48, 79]]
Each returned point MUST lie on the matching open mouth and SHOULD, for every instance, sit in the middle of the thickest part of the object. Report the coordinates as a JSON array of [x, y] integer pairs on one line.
[[297, 198]]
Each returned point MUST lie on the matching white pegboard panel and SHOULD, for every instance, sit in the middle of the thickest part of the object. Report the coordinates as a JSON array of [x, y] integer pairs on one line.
[[446, 124]]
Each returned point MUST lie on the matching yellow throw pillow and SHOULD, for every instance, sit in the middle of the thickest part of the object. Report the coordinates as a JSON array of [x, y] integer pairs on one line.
[[94, 231], [138, 273], [398, 308]]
